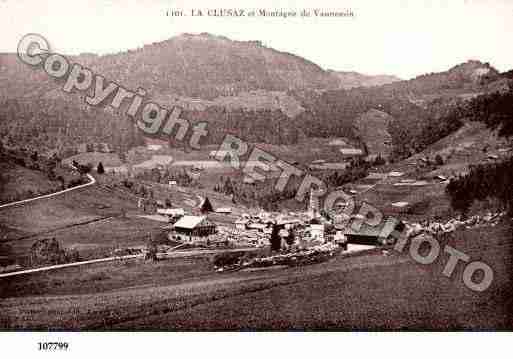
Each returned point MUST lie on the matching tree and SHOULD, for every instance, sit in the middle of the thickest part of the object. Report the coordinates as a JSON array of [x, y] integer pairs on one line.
[[151, 251], [487, 180], [439, 161], [206, 206], [83, 169], [154, 240], [100, 170], [379, 161], [461, 200], [275, 237], [291, 239], [155, 175], [47, 251], [494, 110], [483, 181]]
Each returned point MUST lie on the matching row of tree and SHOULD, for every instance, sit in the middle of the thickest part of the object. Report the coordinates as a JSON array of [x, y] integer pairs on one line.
[[482, 182], [487, 180], [357, 169], [182, 177], [260, 194]]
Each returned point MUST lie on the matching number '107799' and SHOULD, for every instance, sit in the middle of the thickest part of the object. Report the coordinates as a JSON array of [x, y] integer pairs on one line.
[[51, 346]]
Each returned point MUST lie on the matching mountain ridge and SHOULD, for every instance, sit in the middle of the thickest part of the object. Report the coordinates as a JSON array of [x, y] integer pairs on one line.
[[239, 87]]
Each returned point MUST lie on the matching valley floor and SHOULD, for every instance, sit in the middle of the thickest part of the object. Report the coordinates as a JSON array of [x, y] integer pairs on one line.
[[365, 291]]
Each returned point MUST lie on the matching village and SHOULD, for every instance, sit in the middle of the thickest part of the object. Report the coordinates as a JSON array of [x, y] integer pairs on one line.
[[289, 238], [194, 219]]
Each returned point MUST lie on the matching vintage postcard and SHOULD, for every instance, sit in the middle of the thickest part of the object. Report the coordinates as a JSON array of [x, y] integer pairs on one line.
[[268, 166]]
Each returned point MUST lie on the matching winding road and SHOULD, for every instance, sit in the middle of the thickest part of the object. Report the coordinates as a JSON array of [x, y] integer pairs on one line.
[[91, 182]]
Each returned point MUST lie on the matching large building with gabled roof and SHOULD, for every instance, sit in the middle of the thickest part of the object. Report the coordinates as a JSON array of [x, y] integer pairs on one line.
[[387, 232], [192, 228]]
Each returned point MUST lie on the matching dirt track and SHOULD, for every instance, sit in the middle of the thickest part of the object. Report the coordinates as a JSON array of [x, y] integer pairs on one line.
[[91, 182]]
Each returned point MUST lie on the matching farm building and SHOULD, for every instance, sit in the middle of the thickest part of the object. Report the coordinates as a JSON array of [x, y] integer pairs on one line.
[[223, 210], [94, 147], [340, 239], [173, 214], [256, 226], [351, 151], [316, 231], [240, 224], [220, 154], [192, 228], [153, 147], [384, 233], [289, 223]]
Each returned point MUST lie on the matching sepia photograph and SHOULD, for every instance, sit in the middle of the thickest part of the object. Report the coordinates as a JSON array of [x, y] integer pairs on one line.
[[171, 166]]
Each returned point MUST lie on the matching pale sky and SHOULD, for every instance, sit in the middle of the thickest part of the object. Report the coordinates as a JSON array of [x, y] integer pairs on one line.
[[400, 37]]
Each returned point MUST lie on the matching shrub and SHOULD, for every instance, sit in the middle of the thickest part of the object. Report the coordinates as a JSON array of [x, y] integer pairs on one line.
[[83, 169], [95, 277], [439, 161], [151, 251], [420, 207], [226, 259], [47, 252], [154, 240], [100, 170], [72, 255], [483, 182], [379, 161], [75, 182]]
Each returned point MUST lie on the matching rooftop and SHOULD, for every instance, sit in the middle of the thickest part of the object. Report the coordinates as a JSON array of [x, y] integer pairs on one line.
[[383, 230], [171, 211], [189, 222]]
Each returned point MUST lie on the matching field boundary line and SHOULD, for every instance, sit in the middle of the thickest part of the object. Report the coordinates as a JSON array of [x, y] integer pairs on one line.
[[58, 229], [66, 265], [170, 254]]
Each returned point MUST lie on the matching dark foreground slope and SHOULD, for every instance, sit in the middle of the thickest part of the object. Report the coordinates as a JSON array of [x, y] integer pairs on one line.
[[389, 295], [370, 291]]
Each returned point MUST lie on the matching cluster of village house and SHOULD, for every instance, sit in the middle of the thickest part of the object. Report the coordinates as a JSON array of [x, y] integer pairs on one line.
[[94, 147], [294, 228]]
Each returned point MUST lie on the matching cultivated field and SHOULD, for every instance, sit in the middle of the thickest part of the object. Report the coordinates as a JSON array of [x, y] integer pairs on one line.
[[93, 220], [17, 182]]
